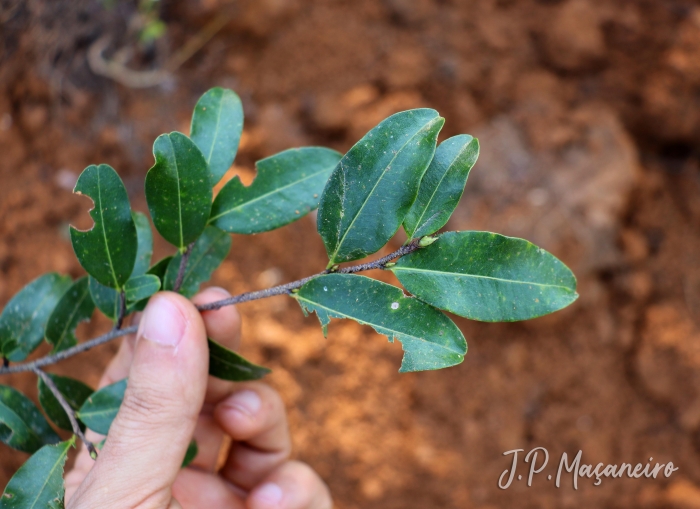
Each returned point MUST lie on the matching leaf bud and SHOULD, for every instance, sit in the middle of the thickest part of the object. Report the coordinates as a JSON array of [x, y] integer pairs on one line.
[[426, 241]]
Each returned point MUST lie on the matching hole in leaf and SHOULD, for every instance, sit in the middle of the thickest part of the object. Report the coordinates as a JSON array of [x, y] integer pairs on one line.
[[82, 221]]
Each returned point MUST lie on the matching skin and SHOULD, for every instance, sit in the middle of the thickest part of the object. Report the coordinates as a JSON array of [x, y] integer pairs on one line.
[[239, 427]]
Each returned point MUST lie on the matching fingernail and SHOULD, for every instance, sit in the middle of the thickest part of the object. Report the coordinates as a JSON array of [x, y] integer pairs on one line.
[[246, 401], [269, 495], [162, 322]]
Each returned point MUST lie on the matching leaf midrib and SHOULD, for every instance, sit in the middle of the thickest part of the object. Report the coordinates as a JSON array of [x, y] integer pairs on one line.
[[104, 232], [369, 195], [375, 326], [46, 481], [479, 276], [189, 270], [449, 167], [179, 199], [70, 318], [265, 195], [98, 413], [216, 129]]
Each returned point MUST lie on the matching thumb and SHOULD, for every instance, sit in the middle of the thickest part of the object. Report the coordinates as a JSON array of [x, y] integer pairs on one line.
[[165, 392]]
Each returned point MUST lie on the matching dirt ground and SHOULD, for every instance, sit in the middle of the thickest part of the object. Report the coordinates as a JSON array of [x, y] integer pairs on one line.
[[588, 113]]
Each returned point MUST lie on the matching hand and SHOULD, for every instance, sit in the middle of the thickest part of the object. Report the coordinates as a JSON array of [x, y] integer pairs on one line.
[[169, 399]]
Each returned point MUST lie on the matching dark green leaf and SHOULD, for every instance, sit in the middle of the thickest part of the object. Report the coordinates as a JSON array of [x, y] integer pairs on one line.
[[178, 190], [75, 306], [160, 268], [287, 187], [75, 393], [145, 244], [38, 484], [24, 318], [191, 454], [22, 426], [105, 298], [217, 123], [206, 255], [141, 287], [488, 277], [107, 251], [442, 186], [101, 408], [430, 340], [374, 185], [157, 270], [228, 365]]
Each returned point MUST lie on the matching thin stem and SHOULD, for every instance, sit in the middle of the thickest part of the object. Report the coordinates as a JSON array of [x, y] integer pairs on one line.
[[236, 299], [5, 362], [122, 311], [70, 352], [181, 269], [68, 410], [287, 288]]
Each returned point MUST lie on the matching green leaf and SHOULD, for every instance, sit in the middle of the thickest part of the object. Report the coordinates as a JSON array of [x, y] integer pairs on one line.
[[373, 187], [22, 426], [442, 186], [488, 277], [24, 318], [75, 393], [160, 268], [107, 251], [178, 190], [228, 365], [157, 270], [39, 482], [430, 340], [191, 454], [145, 244], [105, 298], [207, 254], [217, 123], [287, 187], [101, 408], [141, 287], [75, 306]]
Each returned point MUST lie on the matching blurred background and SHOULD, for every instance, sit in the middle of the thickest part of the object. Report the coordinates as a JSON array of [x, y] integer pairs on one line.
[[588, 113]]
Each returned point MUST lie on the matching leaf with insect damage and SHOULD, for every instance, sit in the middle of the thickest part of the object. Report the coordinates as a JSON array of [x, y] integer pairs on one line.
[[39, 482], [430, 340], [287, 187], [108, 250]]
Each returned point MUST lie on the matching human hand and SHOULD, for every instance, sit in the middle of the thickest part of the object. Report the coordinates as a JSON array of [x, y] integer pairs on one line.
[[169, 399]]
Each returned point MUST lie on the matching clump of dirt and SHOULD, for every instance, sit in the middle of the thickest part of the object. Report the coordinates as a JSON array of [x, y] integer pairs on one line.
[[587, 115]]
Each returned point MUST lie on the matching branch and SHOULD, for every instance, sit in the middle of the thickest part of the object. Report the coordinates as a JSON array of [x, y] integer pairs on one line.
[[68, 410], [70, 352], [181, 269], [122, 311], [381, 263], [287, 288]]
